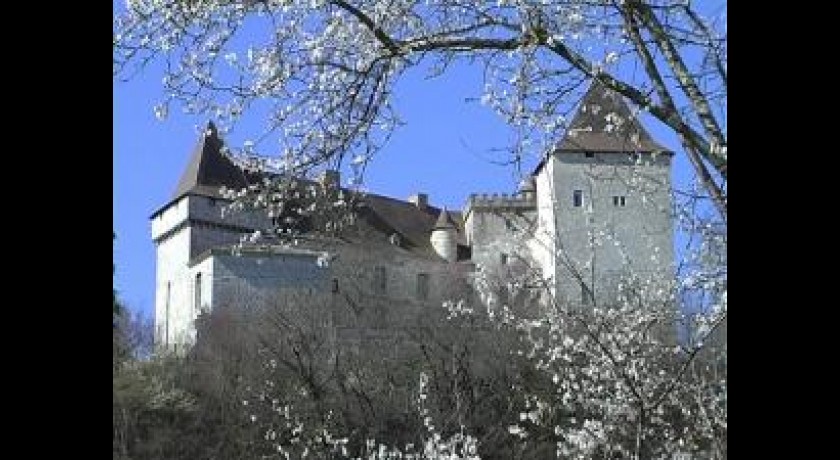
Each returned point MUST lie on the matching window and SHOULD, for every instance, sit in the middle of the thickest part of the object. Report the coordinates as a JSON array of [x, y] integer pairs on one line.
[[380, 280], [212, 202], [577, 198], [166, 319], [503, 258], [619, 200], [423, 286], [585, 295], [503, 295], [335, 286], [197, 305], [589, 155]]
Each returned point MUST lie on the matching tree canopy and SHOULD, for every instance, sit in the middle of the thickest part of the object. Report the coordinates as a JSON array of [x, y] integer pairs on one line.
[[327, 68]]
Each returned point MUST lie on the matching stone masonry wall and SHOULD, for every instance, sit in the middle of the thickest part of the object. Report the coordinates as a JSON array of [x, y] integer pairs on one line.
[[603, 241]]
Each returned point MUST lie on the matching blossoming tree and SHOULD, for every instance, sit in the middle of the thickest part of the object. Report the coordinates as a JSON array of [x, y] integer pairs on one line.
[[326, 70]]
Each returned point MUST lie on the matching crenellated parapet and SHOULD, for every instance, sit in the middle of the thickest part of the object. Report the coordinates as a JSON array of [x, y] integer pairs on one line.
[[492, 218], [500, 202]]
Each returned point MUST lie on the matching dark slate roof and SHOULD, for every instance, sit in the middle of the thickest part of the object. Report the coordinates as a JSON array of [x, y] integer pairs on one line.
[[414, 224], [588, 131], [444, 221], [209, 169], [528, 184]]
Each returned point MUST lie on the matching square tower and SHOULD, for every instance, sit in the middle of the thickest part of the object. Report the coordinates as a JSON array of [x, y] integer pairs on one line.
[[188, 225], [604, 206]]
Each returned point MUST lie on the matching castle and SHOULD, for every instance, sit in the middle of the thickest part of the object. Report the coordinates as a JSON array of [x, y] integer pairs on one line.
[[596, 209]]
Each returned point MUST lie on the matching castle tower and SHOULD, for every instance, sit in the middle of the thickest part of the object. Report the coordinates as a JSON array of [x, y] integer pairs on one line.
[[189, 224], [498, 227], [444, 237], [604, 204]]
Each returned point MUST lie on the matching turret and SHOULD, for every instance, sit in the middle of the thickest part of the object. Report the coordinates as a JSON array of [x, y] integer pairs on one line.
[[528, 188], [445, 237]]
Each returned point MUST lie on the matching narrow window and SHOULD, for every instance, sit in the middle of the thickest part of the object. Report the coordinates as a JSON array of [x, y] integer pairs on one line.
[[503, 258], [585, 295], [504, 295], [577, 198], [197, 305], [380, 280], [166, 319], [619, 200], [335, 286], [423, 286]]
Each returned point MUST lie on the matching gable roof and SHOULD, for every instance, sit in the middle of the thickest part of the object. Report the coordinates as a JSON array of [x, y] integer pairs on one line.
[[591, 131]]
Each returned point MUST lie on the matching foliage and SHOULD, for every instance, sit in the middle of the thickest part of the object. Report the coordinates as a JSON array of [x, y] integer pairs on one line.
[[494, 382], [326, 69], [303, 374], [485, 376], [310, 391], [150, 411]]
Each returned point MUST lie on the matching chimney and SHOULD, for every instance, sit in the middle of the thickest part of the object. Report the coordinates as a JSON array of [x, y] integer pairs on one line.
[[331, 178], [421, 200]]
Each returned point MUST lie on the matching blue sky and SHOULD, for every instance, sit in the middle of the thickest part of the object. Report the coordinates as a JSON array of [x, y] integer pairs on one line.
[[445, 150]]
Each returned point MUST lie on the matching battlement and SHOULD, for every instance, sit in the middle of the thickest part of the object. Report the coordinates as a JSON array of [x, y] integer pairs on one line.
[[500, 202]]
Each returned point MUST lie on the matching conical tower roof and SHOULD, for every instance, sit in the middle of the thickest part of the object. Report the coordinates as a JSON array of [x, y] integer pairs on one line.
[[208, 168], [527, 184], [444, 221], [604, 123]]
